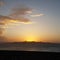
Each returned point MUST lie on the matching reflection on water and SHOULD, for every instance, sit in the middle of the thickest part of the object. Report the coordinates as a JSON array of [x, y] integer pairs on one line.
[[24, 48], [31, 47], [54, 49]]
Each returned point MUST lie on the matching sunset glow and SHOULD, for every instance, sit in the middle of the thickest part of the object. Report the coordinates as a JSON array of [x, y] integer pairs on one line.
[[31, 39], [30, 20]]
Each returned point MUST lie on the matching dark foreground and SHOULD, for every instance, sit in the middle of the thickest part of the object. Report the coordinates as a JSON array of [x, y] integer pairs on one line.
[[32, 51], [28, 55]]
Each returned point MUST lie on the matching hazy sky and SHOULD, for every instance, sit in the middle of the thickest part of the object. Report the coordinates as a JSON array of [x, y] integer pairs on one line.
[[44, 16]]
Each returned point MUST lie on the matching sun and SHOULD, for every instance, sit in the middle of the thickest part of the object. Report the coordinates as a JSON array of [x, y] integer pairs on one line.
[[30, 39]]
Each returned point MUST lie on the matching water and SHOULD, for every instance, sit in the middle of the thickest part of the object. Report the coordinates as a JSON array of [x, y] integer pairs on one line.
[[31, 47]]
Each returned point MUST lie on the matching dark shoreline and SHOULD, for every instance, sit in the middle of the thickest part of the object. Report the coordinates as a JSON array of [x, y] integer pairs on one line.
[[29, 42]]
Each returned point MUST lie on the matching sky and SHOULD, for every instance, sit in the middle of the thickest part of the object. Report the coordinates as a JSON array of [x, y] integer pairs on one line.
[[33, 20]]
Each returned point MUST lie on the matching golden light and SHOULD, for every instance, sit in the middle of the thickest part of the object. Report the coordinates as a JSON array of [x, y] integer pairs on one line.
[[31, 39]]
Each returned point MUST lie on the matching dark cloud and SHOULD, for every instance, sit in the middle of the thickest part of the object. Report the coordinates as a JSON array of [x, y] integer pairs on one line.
[[4, 17], [20, 10], [2, 3]]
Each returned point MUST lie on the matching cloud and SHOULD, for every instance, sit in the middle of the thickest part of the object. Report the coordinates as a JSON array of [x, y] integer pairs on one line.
[[17, 15], [4, 19], [1, 3], [29, 12], [20, 11], [37, 15], [7, 19], [28, 23]]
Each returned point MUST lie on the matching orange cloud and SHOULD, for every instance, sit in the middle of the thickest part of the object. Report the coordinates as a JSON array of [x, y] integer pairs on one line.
[[7, 19]]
